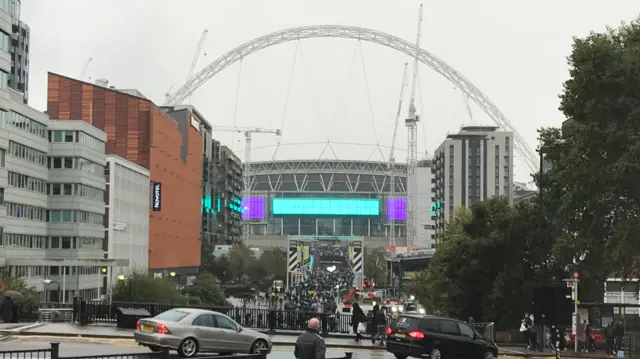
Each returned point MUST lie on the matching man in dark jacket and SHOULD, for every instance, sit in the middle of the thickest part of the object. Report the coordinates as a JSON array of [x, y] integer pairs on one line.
[[7, 309], [310, 344]]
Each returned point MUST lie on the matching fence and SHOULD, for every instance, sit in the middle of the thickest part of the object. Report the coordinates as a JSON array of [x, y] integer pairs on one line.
[[271, 319], [53, 352]]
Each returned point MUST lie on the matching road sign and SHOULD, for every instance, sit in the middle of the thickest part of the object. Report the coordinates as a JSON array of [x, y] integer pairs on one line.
[[569, 284], [575, 275]]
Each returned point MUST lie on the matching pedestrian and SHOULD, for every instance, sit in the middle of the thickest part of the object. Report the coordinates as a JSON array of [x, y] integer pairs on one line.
[[380, 321], [357, 317], [7, 308], [310, 344], [609, 337]]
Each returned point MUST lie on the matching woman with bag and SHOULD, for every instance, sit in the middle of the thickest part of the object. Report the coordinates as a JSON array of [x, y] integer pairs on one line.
[[357, 318]]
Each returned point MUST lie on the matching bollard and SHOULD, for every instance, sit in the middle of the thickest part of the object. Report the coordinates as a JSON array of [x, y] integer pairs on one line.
[[165, 353], [263, 353], [55, 350], [348, 355]]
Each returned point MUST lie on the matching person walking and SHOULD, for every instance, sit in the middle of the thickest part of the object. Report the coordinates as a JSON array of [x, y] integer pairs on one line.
[[357, 317], [380, 322], [310, 344], [7, 309], [609, 337]]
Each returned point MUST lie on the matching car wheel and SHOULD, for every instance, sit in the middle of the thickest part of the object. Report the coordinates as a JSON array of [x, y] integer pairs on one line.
[[400, 356], [489, 355], [258, 346], [188, 348], [435, 354]]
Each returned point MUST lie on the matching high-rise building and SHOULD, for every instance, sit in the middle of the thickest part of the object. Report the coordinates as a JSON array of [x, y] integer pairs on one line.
[[472, 165], [171, 149], [19, 76], [425, 223], [127, 216]]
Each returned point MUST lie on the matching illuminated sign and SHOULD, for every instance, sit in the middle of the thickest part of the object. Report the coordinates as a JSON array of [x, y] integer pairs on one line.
[[253, 208], [195, 124], [325, 207], [156, 199], [396, 209]]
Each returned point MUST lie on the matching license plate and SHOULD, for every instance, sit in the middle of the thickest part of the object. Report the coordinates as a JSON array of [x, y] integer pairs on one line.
[[147, 328], [400, 335]]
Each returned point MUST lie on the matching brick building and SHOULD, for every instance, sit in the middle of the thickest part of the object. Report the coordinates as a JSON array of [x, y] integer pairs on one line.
[[141, 132]]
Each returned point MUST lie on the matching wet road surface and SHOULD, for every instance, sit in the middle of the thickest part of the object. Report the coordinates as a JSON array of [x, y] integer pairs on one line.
[[93, 346]]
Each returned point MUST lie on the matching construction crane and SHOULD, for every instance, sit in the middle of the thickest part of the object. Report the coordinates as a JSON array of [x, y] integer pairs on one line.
[[85, 68], [412, 158], [391, 166], [248, 132]]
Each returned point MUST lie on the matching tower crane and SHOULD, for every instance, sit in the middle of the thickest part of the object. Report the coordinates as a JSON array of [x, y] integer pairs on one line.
[[391, 166], [248, 132], [412, 158]]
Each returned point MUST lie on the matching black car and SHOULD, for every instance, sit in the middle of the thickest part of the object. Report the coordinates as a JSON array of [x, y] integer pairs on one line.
[[419, 335]]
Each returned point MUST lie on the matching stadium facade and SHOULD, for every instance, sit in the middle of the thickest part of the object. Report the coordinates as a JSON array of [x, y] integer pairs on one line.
[[325, 198]]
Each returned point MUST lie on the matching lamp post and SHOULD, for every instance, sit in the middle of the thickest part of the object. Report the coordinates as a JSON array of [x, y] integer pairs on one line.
[[48, 282], [122, 277]]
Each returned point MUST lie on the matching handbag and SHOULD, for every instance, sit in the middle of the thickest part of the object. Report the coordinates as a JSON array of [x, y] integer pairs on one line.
[[523, 328]]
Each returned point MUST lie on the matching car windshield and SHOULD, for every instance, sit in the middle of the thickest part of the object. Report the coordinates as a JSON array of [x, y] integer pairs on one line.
[[406, 324], [171, 315]]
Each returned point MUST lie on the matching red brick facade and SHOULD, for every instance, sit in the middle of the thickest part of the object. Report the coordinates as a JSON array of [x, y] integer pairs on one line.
[[142, 133]]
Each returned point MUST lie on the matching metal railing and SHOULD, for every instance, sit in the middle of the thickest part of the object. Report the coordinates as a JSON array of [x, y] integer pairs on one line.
[[53, 352]]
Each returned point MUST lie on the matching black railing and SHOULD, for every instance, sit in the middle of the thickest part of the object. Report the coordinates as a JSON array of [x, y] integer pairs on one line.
[[258, 318], [53, 352]]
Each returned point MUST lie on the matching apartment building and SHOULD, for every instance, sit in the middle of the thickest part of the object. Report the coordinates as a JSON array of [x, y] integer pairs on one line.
[[472, 165], [425, 223]]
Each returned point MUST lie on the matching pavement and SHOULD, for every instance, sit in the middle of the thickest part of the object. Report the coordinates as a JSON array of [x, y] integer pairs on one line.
[[111, 334]]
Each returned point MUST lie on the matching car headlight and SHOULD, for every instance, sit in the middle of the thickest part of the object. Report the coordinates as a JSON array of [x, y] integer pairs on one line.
[[401, 309], [421, 311], [394, 309]]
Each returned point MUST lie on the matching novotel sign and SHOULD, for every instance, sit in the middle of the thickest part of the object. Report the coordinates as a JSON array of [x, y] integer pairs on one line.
[[195, 124], [156, 196]]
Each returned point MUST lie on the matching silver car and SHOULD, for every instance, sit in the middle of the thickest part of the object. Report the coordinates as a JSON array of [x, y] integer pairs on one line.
[[190, 331]]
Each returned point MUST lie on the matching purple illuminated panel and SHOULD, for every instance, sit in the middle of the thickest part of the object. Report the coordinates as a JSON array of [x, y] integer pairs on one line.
[[396, 209], [253, 208]]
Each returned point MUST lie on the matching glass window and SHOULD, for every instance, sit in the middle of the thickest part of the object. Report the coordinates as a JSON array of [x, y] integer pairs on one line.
[[57, 136], [430, 325], [5, 5], [1, 195], [67, 189], [68, 136], [55, 217], [225, 323], [4, 79], [449, 327], [171, 316], [205, 320], [3, 119], [466, 330], [67, 216], [68, 163], [2, 151], [66, 242]]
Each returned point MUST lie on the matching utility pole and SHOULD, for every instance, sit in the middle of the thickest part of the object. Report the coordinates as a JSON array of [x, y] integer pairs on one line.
[[412, 158]]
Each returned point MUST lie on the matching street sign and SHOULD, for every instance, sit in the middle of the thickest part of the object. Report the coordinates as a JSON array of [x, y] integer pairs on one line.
[[569, 284], [575, 275]]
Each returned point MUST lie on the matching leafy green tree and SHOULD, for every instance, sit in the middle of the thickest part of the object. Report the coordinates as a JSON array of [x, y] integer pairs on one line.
[[272, 265], [591, 193], [144, 288], [29, 295], [241, 261], [375, 265], [205, 291], [220, 267]]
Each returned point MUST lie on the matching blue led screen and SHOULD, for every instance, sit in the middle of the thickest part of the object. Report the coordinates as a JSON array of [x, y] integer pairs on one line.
[[325, 207]]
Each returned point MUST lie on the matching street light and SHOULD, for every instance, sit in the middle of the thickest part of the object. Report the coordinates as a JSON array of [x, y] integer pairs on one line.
[[122, 277], [48, 282]]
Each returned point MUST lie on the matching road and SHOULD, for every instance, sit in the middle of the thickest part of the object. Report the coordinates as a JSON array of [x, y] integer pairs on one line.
[[88, 346]]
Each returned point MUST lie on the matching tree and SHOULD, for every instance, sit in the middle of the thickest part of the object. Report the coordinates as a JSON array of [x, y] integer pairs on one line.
[[272, 265], [375, 265], [145, 288], [488, 263], [220, 268], [205, 291], [241, 261], [29, 296], [591, 193]]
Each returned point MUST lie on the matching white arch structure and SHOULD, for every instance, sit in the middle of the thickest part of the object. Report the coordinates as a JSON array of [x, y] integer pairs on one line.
[[357, 33]]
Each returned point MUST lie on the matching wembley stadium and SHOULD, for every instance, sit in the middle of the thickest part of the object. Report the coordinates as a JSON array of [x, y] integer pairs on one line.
[[325, 198]]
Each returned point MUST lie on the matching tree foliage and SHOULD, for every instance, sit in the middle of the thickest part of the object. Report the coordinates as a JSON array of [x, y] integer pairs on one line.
[[592, 190], [145, 288], [205, 291], [30, 295], [375, 265], [242, 267]]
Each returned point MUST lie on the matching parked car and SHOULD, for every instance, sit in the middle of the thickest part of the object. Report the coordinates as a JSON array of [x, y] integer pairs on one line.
[[419, 335], [190, 331]]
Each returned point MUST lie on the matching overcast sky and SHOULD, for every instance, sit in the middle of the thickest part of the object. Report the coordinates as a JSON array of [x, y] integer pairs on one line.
[[341, 91]]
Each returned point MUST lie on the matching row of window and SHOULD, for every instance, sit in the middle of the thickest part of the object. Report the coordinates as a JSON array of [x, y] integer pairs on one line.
[[75, 216], [2, 153], [76, 136], [75, 189], [5, 5], [26, 124], [17, 240], [32, 213], [76, 163], [29, 183], [27, 153], [46, 271], [5, 42], [1, 196], [4, 80]]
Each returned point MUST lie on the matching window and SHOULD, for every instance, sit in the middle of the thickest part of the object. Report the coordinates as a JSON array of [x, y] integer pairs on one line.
[[90, 141], [430, 325], [2, 151], [466, 330], [68, 136], [5, 5], [27, 153], [23, 211], [67, 189], [205, 320], [28, 183], [5, 42], [3, 118], [67, 242], [56, 136], [67, 163], [449, 327], [1, 196], [171, 316], [26, 124], [225, 323], [4, 79]]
